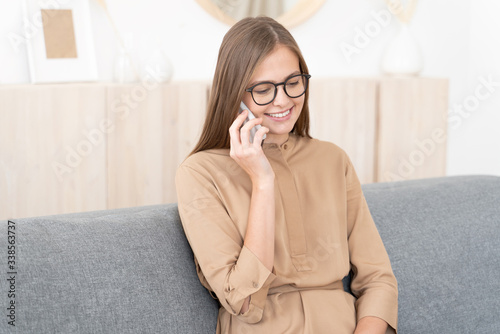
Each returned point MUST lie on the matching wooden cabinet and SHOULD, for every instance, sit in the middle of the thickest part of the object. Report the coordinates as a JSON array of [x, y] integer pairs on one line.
[[81, 147], [411, 129], [344, 112]]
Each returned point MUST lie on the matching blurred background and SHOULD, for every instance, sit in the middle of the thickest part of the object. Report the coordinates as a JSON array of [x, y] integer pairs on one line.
[[455, 41]]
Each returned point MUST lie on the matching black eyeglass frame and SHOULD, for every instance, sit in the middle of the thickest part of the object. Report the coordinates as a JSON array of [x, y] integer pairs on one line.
[[306, 76]]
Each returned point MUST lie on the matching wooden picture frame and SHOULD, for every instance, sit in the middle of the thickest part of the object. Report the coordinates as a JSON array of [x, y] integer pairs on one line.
[[60, 44]]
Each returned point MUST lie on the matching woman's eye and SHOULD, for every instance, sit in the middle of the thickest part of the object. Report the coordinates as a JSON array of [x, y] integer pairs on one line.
[[292, 83], [261, 91]]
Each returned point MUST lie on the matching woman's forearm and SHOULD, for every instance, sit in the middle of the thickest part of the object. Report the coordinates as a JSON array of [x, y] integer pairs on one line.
[[259, 236]]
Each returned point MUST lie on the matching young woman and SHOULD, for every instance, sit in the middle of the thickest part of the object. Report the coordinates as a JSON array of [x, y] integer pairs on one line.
[[276, 224]]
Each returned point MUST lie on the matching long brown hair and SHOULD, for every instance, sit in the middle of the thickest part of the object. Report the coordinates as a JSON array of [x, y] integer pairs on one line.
[[243, 48]]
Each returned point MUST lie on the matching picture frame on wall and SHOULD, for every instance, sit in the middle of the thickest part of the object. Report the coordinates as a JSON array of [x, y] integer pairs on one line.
[[60, 44]]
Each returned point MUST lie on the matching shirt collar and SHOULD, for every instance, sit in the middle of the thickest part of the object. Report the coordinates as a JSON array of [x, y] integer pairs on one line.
[[287, 145]]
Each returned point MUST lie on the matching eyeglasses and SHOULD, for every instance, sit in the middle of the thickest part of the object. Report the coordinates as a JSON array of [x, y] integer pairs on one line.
[[265, 92]]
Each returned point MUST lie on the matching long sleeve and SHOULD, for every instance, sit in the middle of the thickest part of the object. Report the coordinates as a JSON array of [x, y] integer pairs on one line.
[[226, 266], [374, 283]]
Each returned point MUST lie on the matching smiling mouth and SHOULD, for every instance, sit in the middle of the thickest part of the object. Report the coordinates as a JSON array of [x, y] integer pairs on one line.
[[280, 115]]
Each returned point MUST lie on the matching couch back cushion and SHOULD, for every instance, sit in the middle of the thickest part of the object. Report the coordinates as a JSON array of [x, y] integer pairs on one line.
[[118, 271], [443, 238]]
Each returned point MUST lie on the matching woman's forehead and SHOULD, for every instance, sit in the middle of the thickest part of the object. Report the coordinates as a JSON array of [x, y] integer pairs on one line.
[[278, 65]]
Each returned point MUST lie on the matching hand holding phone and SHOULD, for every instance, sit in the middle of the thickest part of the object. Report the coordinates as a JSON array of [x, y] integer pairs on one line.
[[250, 116], [251, 158]]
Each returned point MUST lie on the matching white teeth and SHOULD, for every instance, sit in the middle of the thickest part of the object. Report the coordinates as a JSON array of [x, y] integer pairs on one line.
[[280, 115]]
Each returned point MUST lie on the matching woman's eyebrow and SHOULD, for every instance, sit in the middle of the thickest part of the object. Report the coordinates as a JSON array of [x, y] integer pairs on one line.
[[262, 81]]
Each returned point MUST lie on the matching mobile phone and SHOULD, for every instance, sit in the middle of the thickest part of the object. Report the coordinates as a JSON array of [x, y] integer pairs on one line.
[[250, 116]]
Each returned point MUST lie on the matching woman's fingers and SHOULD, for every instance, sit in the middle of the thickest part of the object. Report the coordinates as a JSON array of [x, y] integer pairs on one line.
[[234, 129], [239, 132], [257, 141], [245, 131], [248, 156]]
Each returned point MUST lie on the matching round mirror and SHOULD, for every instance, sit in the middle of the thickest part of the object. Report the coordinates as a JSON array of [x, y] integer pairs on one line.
[[288, 12]]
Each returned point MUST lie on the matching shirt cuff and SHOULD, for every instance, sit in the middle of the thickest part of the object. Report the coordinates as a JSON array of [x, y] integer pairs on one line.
[[249, 277], [378, 304]]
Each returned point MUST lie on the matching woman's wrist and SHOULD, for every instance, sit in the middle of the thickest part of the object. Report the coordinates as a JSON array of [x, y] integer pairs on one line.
[[263, 183]]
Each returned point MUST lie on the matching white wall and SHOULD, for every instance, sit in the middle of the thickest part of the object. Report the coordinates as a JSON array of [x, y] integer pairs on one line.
[[453, 34]]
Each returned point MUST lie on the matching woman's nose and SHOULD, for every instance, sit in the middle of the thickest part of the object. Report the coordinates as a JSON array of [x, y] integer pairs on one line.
[[281, 98]]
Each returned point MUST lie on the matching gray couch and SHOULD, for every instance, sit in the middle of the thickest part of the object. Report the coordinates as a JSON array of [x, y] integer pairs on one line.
[[131, 270]]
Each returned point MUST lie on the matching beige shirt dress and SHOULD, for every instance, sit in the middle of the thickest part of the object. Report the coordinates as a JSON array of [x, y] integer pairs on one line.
[[323, 230]]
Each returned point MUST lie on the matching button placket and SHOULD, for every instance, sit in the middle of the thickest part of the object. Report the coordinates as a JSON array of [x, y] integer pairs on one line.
[[293, 214]]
